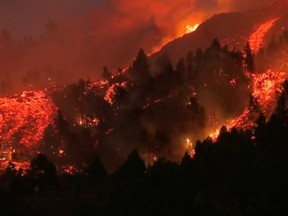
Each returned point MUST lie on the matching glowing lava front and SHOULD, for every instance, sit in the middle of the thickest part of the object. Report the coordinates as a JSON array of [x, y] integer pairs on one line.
[[257, 38], [191, 28], [23, 119], [266, 88]]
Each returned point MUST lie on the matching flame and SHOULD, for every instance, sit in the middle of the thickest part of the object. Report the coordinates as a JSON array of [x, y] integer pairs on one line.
[[257, 38], [190, 147], [181, 29], [191, 28]]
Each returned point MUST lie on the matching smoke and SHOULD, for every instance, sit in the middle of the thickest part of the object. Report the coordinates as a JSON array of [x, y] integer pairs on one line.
[[86, 35], [239, 5]]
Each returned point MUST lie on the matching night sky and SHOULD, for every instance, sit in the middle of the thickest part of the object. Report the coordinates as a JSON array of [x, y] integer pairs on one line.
[[28, 17]]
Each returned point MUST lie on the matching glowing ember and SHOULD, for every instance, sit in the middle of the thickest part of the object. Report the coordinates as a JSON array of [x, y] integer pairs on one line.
[[157, 101], [86, 121], [111, 92], [97, 84], [233, 83], [256, 39], [70, 169]]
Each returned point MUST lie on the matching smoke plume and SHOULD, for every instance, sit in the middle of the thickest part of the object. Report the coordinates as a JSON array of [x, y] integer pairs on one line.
[[78, 38]]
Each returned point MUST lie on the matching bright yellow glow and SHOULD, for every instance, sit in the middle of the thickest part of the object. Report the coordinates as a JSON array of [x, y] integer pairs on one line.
[[191, 28]]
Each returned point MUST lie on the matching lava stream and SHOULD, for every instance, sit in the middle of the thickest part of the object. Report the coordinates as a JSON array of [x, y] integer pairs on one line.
[[256, 39], [265, 88], [24, 118]]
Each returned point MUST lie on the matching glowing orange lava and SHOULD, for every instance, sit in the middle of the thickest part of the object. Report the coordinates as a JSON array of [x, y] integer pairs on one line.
[[190, 147], [191, 28], [24, 117], [256, 39], [181, 30], [111, 92], [87, 121], [265, 88]]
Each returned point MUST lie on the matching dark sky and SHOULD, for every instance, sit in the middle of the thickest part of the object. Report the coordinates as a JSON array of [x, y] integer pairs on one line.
[[26, 17], [90, 34]]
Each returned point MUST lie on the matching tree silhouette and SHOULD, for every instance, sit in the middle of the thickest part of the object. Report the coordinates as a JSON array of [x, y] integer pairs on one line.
[[249, 59], [140, 70], [42, 172]]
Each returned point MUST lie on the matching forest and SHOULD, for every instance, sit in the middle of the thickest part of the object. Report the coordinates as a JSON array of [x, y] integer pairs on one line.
[[128, 142]]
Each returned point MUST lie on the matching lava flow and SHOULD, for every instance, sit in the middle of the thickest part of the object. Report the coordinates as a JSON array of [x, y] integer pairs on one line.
[[257, 38], [266, 88], [23, 119]]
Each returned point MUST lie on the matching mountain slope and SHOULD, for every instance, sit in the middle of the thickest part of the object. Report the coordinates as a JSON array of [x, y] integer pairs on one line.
[[232, 29]]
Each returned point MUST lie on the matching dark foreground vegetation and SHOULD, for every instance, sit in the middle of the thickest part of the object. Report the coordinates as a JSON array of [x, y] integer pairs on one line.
[[242, 173]]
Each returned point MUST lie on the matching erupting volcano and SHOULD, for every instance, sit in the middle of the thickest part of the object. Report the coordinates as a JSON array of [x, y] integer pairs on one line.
[[160, 104]]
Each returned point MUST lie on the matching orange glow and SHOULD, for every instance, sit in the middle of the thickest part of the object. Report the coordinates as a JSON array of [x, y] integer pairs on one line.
[[181, 29], [111, 92], [257, 38], [87, 122], [191, 28], [70, 169], [24, 117], [190, 147], [265, 88]]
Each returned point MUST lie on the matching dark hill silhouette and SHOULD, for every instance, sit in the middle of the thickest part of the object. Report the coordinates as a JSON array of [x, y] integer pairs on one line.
[[232, 29]]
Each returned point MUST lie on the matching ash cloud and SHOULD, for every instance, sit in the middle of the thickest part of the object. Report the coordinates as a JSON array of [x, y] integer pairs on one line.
[[87, 35]]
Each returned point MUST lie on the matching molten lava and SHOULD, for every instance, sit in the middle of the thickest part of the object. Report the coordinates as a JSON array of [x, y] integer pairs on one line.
[[191, 28], [257, 38], [265, 88], [24, 117], [112, 92]]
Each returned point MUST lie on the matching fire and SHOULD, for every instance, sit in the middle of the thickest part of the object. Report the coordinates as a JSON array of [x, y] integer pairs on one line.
[[191, 28], [181, 29], [257, 38], [190, 147]]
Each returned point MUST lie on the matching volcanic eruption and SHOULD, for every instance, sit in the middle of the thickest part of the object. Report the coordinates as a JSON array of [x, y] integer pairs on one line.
[[160, 104]]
